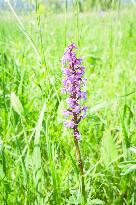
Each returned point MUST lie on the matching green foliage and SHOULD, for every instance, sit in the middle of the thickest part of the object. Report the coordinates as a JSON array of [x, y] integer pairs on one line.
[[108, 149], [96, 201], [16, 104], [103, 4], [37, 153], [128, 166]]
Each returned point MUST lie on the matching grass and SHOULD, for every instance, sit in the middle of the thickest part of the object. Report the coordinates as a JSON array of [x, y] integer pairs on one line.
[[37, 154]]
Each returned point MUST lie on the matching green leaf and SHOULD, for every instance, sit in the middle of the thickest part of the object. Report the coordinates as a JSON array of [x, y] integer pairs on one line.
[[133, 149], [37, 165], [2, 174], [126, 163], [96, 202], [128, 169], [98, 107], [1, 145], [60, 117], [108, 149], [16, 104]]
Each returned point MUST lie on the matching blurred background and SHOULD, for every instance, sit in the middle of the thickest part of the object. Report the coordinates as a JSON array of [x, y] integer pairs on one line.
[[58, 5]]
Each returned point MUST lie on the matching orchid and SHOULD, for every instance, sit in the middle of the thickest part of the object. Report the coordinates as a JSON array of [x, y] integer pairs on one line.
[[73, 81]]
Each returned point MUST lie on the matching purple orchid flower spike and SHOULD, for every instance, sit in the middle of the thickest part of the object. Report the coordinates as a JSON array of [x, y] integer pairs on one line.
[[72, 83]]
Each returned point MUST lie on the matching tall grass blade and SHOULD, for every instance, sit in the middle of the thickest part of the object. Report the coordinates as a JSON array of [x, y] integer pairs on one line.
[[37, 161]]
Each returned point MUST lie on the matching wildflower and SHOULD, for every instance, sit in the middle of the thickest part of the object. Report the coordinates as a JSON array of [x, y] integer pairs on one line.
[[73, 82]]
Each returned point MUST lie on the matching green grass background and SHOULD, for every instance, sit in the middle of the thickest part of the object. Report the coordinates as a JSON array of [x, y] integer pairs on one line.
[[37, 155]]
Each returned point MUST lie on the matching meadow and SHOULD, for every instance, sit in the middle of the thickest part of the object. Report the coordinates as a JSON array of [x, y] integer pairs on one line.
[[37, 153]]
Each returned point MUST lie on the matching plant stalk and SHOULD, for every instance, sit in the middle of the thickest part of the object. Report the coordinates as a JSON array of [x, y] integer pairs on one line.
[[81, 167]]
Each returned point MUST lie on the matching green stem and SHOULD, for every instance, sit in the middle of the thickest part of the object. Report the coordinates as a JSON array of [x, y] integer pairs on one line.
[[81, 167]]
